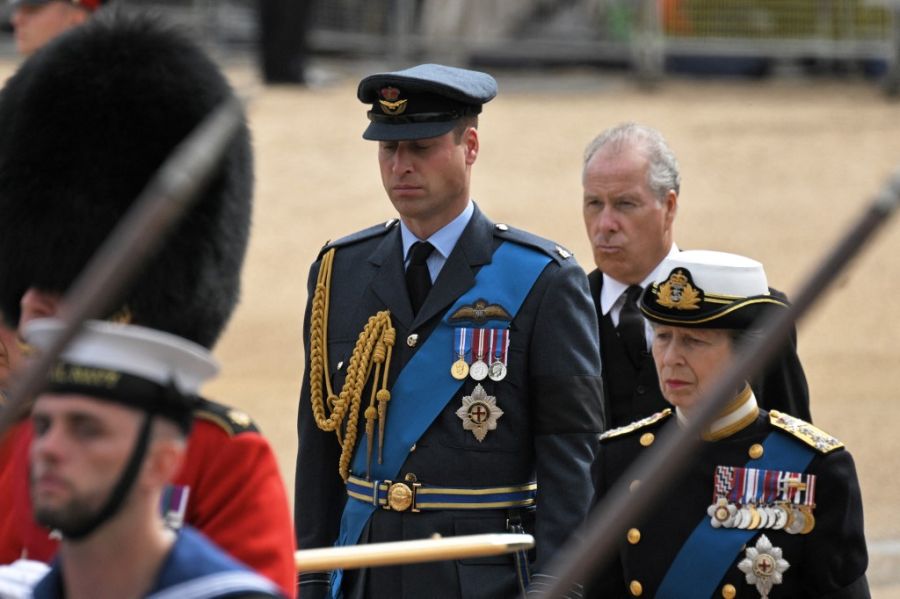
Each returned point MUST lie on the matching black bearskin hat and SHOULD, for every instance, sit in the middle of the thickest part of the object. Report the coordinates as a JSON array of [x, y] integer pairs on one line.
[[84, 124]]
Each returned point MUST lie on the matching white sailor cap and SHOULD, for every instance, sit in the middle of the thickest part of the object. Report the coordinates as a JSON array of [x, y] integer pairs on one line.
[[143, 368], [707, 289]]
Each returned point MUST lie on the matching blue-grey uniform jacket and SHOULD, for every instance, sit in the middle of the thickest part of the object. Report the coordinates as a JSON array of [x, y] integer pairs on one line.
[[550, 397]]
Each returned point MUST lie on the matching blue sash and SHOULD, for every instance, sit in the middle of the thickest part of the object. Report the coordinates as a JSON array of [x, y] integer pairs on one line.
[[708, 553], [424, 386]]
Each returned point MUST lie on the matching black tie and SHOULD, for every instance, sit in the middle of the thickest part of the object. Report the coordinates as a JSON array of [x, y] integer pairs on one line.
[[418, 280], [631, 325]]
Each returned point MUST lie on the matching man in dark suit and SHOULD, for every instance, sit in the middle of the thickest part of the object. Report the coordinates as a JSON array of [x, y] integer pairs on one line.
[[484, 401], [631, 184]]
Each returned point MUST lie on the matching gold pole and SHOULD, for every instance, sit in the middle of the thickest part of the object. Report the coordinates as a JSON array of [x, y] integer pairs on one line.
[[434, 549]]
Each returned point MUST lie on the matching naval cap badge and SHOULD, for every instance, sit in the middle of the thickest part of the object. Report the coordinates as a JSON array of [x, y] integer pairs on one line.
[[479, 412], [763, 566], [678, 292]]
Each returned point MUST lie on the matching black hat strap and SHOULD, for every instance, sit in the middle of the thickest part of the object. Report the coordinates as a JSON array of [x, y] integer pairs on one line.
[[122, 488]]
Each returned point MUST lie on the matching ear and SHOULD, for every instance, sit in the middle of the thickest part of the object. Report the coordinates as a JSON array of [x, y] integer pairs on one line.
[[670, 204], [164, 458], [470, 143]]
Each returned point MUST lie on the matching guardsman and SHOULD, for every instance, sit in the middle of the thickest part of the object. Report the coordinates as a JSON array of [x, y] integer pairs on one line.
[[85, 123], [631, 186], [110, 433], [453, 375], [37, 22], [771, 506]]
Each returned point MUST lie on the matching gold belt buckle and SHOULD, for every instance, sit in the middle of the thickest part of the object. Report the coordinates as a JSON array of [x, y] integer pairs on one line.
[[401, 496]]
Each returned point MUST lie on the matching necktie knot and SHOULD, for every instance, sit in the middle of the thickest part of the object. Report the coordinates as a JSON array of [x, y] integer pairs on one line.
[[419, 253]]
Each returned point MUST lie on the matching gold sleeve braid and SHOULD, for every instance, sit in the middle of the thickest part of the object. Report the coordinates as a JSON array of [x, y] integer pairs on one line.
[[373, 348]]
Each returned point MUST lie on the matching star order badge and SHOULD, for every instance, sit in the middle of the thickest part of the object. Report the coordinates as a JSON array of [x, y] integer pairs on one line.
[[763, 566], [479, 412]]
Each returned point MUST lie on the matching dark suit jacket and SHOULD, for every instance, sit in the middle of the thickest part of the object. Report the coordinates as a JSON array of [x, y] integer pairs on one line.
[[551, 398], [828, 562], [632, 391]]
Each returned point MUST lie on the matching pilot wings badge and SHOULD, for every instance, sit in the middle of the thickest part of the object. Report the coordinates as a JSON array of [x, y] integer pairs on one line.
[[480, 312]]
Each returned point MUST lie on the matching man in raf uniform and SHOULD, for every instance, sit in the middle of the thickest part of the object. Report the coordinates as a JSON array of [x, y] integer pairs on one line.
[[84, 124], [631, 184], [483, 405], [770, 506]]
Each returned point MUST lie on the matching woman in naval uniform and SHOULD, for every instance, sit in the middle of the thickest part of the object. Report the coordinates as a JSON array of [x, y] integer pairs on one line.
[[770, 506]]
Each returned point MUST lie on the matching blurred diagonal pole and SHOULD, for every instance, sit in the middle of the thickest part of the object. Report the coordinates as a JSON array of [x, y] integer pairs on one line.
[[161, 205], [584, 556]]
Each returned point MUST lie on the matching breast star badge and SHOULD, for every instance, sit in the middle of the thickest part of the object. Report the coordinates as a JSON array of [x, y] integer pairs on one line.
[[763, 566], [479, 412]]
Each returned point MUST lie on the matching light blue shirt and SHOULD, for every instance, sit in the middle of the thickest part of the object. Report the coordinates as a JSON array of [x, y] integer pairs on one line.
[[443, 240]]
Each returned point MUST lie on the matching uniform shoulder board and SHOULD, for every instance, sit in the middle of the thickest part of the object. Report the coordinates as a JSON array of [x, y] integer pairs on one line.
[[804, 431], [636, 425], [231, 420], [555, 251], [369, 233]]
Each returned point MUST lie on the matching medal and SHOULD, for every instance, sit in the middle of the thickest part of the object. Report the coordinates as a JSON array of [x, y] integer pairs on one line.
[[497, 371], [500, 346], [722, 513], [781, 516], [763, 566], [810, 523], [479, 412], [479, 369], [460, 368]]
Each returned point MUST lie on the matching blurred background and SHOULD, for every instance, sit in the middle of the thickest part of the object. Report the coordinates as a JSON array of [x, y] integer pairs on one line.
[[782, 114], [647, 38]]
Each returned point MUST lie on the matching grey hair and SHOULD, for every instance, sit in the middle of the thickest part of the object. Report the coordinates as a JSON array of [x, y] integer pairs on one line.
[[663, 174]]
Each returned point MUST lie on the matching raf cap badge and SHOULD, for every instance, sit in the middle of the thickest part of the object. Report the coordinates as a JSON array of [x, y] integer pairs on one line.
[[389, 101], [678, 292], [479, 412]]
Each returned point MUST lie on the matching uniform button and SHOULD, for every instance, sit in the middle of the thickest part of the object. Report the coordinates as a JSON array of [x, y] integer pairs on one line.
[[636, 588], [634, 536], [634, 485], [502, 227], [640, 390], [729, 592], [410, 478], [412, 340], [413, 448], [647, 439], [756, 451]]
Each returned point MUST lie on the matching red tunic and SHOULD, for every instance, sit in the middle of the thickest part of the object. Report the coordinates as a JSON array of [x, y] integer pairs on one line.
[[237, 497]]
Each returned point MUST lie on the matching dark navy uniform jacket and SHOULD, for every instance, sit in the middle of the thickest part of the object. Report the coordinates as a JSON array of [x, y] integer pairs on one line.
[[828, 562], [551, 399], [194, 569], [632, 390]]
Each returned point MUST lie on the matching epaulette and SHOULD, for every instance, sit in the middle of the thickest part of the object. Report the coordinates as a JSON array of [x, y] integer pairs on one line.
[[231, 420], [369, 233], [555, 251], [636, 425], [804, 431]]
